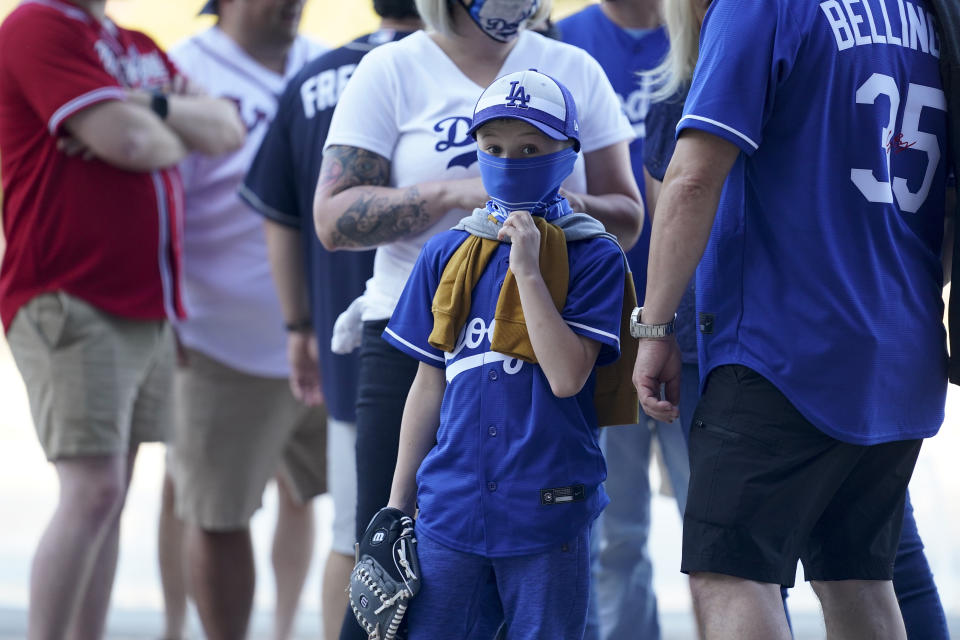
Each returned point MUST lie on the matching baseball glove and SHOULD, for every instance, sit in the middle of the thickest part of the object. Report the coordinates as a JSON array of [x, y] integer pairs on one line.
[[386, 576]]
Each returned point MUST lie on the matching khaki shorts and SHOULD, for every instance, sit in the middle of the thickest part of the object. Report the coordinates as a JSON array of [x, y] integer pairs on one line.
[[98, 384], [233, 432]]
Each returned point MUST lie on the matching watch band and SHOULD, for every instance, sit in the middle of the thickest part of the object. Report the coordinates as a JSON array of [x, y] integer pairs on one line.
[[300, 326], [160, 104], [640, 330]]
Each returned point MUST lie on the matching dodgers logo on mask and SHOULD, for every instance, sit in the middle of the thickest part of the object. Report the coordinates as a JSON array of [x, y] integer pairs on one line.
[[501, 19], [518, 96]]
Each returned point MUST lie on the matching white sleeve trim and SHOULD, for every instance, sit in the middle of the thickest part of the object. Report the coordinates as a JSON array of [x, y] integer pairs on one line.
[[413, 346], [605, 334], [722, 126], [83, 101], [249, 196]]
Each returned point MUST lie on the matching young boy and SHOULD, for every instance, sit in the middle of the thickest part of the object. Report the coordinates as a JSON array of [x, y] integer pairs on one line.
[[509, 314]]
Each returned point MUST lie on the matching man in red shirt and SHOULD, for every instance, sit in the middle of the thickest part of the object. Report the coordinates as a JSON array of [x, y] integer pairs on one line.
[[93, 119]]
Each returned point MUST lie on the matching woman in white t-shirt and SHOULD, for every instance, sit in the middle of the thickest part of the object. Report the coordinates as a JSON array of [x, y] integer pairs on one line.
[[399, 166]]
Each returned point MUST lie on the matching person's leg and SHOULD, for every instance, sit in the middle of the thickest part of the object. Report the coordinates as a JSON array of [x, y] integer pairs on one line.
[[731, 608], [385, 378], [91, 493], [82, 369], [860, 610], [231, 431], [90, 620], [917, 594], [850, 554], [545, 595], [454, 601], [302, 477], [221, 575], [761, 480], [170, 555], [592, 629], [153, 421], [342, 482], [676, 459], [622, 570], [292, 555], [336, 575]]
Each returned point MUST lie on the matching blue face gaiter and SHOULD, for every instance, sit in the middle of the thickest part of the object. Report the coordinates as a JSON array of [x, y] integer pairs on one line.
[[527, 184]]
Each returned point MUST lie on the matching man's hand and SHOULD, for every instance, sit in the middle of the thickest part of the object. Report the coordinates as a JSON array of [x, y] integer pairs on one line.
[[181, 85], [658, 363], [525, 243], [303, 354], [71, 146]]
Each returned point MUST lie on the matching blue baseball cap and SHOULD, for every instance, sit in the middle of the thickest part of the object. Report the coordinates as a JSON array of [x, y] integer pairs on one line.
[[535, 98], [210, 7]]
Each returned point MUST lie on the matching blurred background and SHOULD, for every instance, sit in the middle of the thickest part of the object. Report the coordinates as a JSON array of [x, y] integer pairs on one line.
[[28, 485]]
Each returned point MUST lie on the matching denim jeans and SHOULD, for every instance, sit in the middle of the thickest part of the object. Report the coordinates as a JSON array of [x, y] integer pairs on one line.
[[913, 583], [624, 604], [385, 378]]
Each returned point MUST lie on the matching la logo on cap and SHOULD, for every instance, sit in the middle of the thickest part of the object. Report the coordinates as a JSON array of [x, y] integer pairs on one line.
[[517, 95]]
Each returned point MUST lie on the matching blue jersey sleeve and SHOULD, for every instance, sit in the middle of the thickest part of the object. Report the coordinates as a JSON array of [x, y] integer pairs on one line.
[[270, 185], [412, 319], [595, 295], [747, 48]]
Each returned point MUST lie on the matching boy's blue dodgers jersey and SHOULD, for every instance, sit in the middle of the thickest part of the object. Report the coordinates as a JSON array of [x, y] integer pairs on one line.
[[515, 469], [280, 184], [823, 269], [622, 56]]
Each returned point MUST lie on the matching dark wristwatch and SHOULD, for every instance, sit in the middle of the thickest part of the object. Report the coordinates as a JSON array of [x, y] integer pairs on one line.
[[640, 330], [300, 326], [160, 104]]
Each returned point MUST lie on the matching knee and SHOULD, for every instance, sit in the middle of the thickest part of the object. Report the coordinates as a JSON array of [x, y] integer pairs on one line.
[[854, 594], [98, 500]]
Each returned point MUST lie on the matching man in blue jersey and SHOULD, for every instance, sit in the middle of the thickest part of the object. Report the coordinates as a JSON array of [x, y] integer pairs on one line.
[[314, 285], [815, 134], [626, 37]]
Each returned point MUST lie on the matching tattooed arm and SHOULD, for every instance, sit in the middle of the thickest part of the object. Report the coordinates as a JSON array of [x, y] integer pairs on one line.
[[353, 208]]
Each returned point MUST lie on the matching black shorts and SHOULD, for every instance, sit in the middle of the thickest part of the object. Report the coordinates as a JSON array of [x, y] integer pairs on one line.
[[768, 488]]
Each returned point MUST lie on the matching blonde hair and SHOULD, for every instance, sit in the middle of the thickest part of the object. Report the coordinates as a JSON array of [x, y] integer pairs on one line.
[[673, 74], [436, 15]]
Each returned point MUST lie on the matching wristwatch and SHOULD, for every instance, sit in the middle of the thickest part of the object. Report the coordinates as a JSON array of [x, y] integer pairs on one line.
[[160, 104], [640, 330]]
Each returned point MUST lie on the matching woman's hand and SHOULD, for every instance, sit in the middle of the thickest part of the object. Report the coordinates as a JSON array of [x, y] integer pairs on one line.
[[467, 194], [575, 200], [525, 243]]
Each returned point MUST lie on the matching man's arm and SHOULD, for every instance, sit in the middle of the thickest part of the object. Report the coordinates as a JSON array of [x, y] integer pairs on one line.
[[612, 196], [688, 203], [204, 123], [127, 136], [418, 432], [565, 357], [685, 212], [353, 209], [287, 267]]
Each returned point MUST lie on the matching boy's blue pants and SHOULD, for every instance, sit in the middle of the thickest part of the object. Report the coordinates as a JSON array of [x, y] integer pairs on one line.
[[466, 596]]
